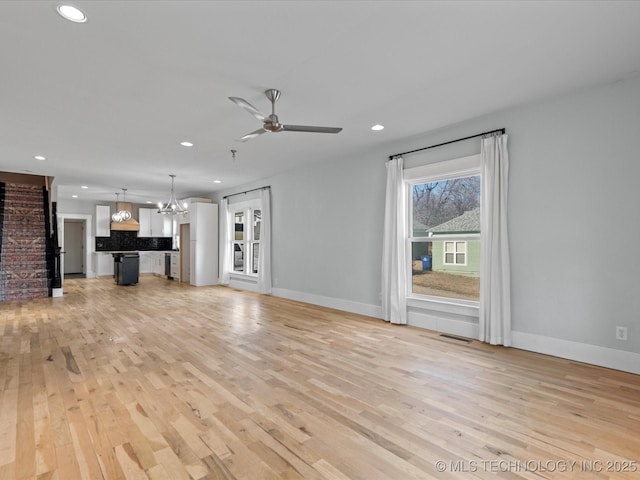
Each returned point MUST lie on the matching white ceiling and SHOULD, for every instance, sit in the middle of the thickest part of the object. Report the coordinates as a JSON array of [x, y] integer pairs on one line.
[[108, 101]]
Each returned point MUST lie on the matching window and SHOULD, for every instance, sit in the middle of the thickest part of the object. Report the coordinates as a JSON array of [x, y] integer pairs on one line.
[[246, 240], [455, 253], [444, 206]]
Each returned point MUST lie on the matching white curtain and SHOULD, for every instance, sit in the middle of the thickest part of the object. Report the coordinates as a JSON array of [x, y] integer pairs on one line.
[[226, 231], [495, 276], [264, 258], [394, 281]]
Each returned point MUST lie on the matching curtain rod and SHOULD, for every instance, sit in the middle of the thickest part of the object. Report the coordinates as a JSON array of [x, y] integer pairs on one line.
[[499, 130], [247, 191]]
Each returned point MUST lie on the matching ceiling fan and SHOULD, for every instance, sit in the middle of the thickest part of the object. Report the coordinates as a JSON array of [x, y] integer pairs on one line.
[[270, 123]]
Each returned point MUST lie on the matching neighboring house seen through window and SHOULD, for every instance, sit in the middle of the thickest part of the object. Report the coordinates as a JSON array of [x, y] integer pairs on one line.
[[444, 206]]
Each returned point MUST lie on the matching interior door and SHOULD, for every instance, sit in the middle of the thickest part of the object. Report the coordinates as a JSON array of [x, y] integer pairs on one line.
[[73, 247], [185, 253]]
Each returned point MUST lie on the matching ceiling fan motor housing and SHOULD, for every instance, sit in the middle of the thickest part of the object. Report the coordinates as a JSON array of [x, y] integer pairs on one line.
[[273, 124]]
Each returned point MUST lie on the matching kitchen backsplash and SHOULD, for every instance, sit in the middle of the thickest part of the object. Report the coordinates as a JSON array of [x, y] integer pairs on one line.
[[127, 241]]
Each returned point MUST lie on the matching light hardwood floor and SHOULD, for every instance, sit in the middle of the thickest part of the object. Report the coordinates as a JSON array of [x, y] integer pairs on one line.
[[164, 381]]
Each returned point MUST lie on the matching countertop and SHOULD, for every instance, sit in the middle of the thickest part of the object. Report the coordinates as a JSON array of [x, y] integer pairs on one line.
[[116, 252]]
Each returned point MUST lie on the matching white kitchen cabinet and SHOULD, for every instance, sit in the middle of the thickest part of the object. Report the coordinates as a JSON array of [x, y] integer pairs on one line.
[[103, 263], [103, 220], [144, 219], [146, 263], [160, 224], [187, 203], [157, 259], [175, 266], [153, 224]]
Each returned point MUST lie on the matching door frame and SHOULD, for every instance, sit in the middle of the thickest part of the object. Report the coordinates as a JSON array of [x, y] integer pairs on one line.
[[74, 251], [88, 248]]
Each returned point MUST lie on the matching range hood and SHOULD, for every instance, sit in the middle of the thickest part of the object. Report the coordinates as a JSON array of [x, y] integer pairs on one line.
[[130, 225]]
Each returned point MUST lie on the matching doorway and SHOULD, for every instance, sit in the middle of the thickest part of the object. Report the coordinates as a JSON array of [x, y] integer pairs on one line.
[[74, 248], [65, 220]]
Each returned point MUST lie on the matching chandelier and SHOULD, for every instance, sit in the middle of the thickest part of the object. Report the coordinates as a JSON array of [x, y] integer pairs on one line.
[[172, 207]]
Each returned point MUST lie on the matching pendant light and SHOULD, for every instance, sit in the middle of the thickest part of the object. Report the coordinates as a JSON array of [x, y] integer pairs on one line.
[[124, 214], [116, 216], [172, 207]]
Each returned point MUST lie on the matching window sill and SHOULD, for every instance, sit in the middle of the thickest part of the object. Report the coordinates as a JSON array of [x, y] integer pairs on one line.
[[445, 305], [243, 277]]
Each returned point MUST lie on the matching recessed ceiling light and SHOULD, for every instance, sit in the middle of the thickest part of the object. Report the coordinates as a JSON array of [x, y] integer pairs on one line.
[[84, 187], [72, 13], [186, 144], [217, 181], [39, 157], [377, 127], [74, 196], [149, 201]]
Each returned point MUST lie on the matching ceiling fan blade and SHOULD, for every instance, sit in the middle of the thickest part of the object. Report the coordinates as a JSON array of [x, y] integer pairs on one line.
[[304, 128], [251, 135], [241, 102]]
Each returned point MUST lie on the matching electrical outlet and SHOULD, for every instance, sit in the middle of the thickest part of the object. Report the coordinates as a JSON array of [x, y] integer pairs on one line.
[[621, 333]]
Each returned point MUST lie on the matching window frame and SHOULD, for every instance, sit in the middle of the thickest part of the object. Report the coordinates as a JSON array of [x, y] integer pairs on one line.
[[248, 242], [443, 170]]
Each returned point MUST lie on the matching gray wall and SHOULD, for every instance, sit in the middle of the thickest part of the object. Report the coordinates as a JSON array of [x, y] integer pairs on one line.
[[72, 205], [327, 223], [573, 215]]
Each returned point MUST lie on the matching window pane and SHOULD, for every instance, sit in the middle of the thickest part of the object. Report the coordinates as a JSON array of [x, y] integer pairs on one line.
[[238, 257], [434, 273], [256, 255], [448, 247], [239, 225], [446, 207], [257, 215], [461, 247]]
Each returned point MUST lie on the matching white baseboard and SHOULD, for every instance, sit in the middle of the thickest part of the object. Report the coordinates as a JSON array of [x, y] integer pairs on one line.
[[330, 302], [581, 352], [56, 292], [592, 354]]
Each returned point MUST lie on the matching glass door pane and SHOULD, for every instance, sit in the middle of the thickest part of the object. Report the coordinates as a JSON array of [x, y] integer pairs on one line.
[[239, 225], [257, 217], [256, 257]]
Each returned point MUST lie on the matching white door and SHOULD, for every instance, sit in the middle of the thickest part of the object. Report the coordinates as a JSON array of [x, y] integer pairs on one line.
[[73, 247]]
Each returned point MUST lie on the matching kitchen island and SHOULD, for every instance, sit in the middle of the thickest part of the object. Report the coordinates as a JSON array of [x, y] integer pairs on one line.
[[126, 267]]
